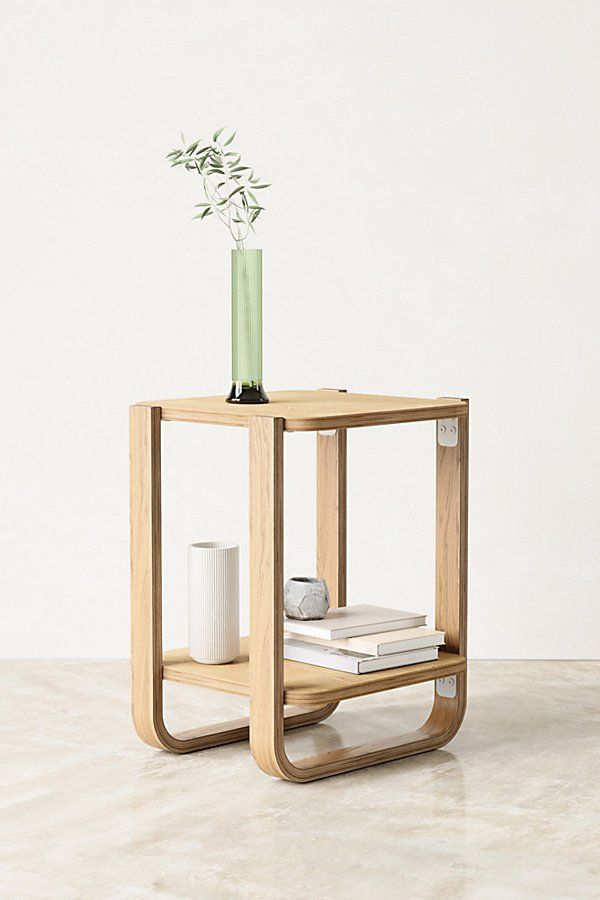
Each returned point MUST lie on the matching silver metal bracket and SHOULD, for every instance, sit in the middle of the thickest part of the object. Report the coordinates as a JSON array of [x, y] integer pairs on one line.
[[447, 432], [446, 687]]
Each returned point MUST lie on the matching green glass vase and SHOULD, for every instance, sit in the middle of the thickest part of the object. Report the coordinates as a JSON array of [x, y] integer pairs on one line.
[[246, 328]]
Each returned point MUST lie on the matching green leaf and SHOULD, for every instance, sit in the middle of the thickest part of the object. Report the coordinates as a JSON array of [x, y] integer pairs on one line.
[[192, 147], [203, 215], [229, 140], [217, 133], [240, 168], [223, 201], [258, 187], [215, 171], [174, 153], [240, 188], [201, 204], [252, 197]]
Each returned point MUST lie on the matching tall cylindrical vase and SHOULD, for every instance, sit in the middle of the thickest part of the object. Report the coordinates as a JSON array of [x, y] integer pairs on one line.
[[246, 328], [214, 633]]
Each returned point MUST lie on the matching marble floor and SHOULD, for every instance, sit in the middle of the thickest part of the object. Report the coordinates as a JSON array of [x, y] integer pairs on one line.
[[509, 809]]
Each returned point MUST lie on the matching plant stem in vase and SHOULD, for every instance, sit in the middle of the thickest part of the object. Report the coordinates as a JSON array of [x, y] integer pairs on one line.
[[246, 328], [229, 190]]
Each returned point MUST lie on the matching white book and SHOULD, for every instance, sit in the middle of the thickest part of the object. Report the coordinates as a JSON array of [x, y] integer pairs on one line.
[[350, 621], [348, 661], [382, 643]]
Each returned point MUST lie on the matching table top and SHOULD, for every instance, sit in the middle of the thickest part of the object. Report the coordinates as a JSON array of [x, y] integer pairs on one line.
[[312, 410]]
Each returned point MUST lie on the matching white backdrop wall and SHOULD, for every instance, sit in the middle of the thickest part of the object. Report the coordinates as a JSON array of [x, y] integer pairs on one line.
[[432, 229]]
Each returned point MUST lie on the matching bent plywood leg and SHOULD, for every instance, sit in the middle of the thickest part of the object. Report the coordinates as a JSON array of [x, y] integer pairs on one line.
[[331, 512], [266, 588], [266, 635], [441, 726], [146, 606], [451, 539]]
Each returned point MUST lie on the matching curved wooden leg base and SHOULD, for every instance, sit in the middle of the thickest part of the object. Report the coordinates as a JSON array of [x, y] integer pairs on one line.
[[146, 608], [156, 734], [443, 723]]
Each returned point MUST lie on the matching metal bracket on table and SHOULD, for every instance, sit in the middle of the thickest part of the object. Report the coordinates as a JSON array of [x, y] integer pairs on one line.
[[446, 687], [447, 432]]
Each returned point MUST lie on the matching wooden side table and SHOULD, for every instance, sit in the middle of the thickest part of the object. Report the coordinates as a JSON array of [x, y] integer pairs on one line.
[[311, 693]]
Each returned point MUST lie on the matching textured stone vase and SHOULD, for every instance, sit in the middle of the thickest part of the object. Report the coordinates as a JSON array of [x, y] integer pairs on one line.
[[306, 598], [214, 604]]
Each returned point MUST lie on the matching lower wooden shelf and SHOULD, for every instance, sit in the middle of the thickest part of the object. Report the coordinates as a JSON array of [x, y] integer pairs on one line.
[[306, 685]]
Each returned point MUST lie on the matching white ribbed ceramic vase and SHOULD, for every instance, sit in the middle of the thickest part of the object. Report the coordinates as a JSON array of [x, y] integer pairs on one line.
[[214, 605]]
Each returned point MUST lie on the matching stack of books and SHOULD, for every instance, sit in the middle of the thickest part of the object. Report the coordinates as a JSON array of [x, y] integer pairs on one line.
[[362, 639]]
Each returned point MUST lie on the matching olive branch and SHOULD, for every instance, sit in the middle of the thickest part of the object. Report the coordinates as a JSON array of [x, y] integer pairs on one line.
[[228, 185]]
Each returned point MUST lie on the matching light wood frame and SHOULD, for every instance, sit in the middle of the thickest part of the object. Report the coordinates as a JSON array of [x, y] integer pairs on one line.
[[268, 719], [266, 612], [146, 606]]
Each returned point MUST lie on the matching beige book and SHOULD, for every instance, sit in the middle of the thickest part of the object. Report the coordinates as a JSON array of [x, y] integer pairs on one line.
[[355, 621], [380, 644]]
